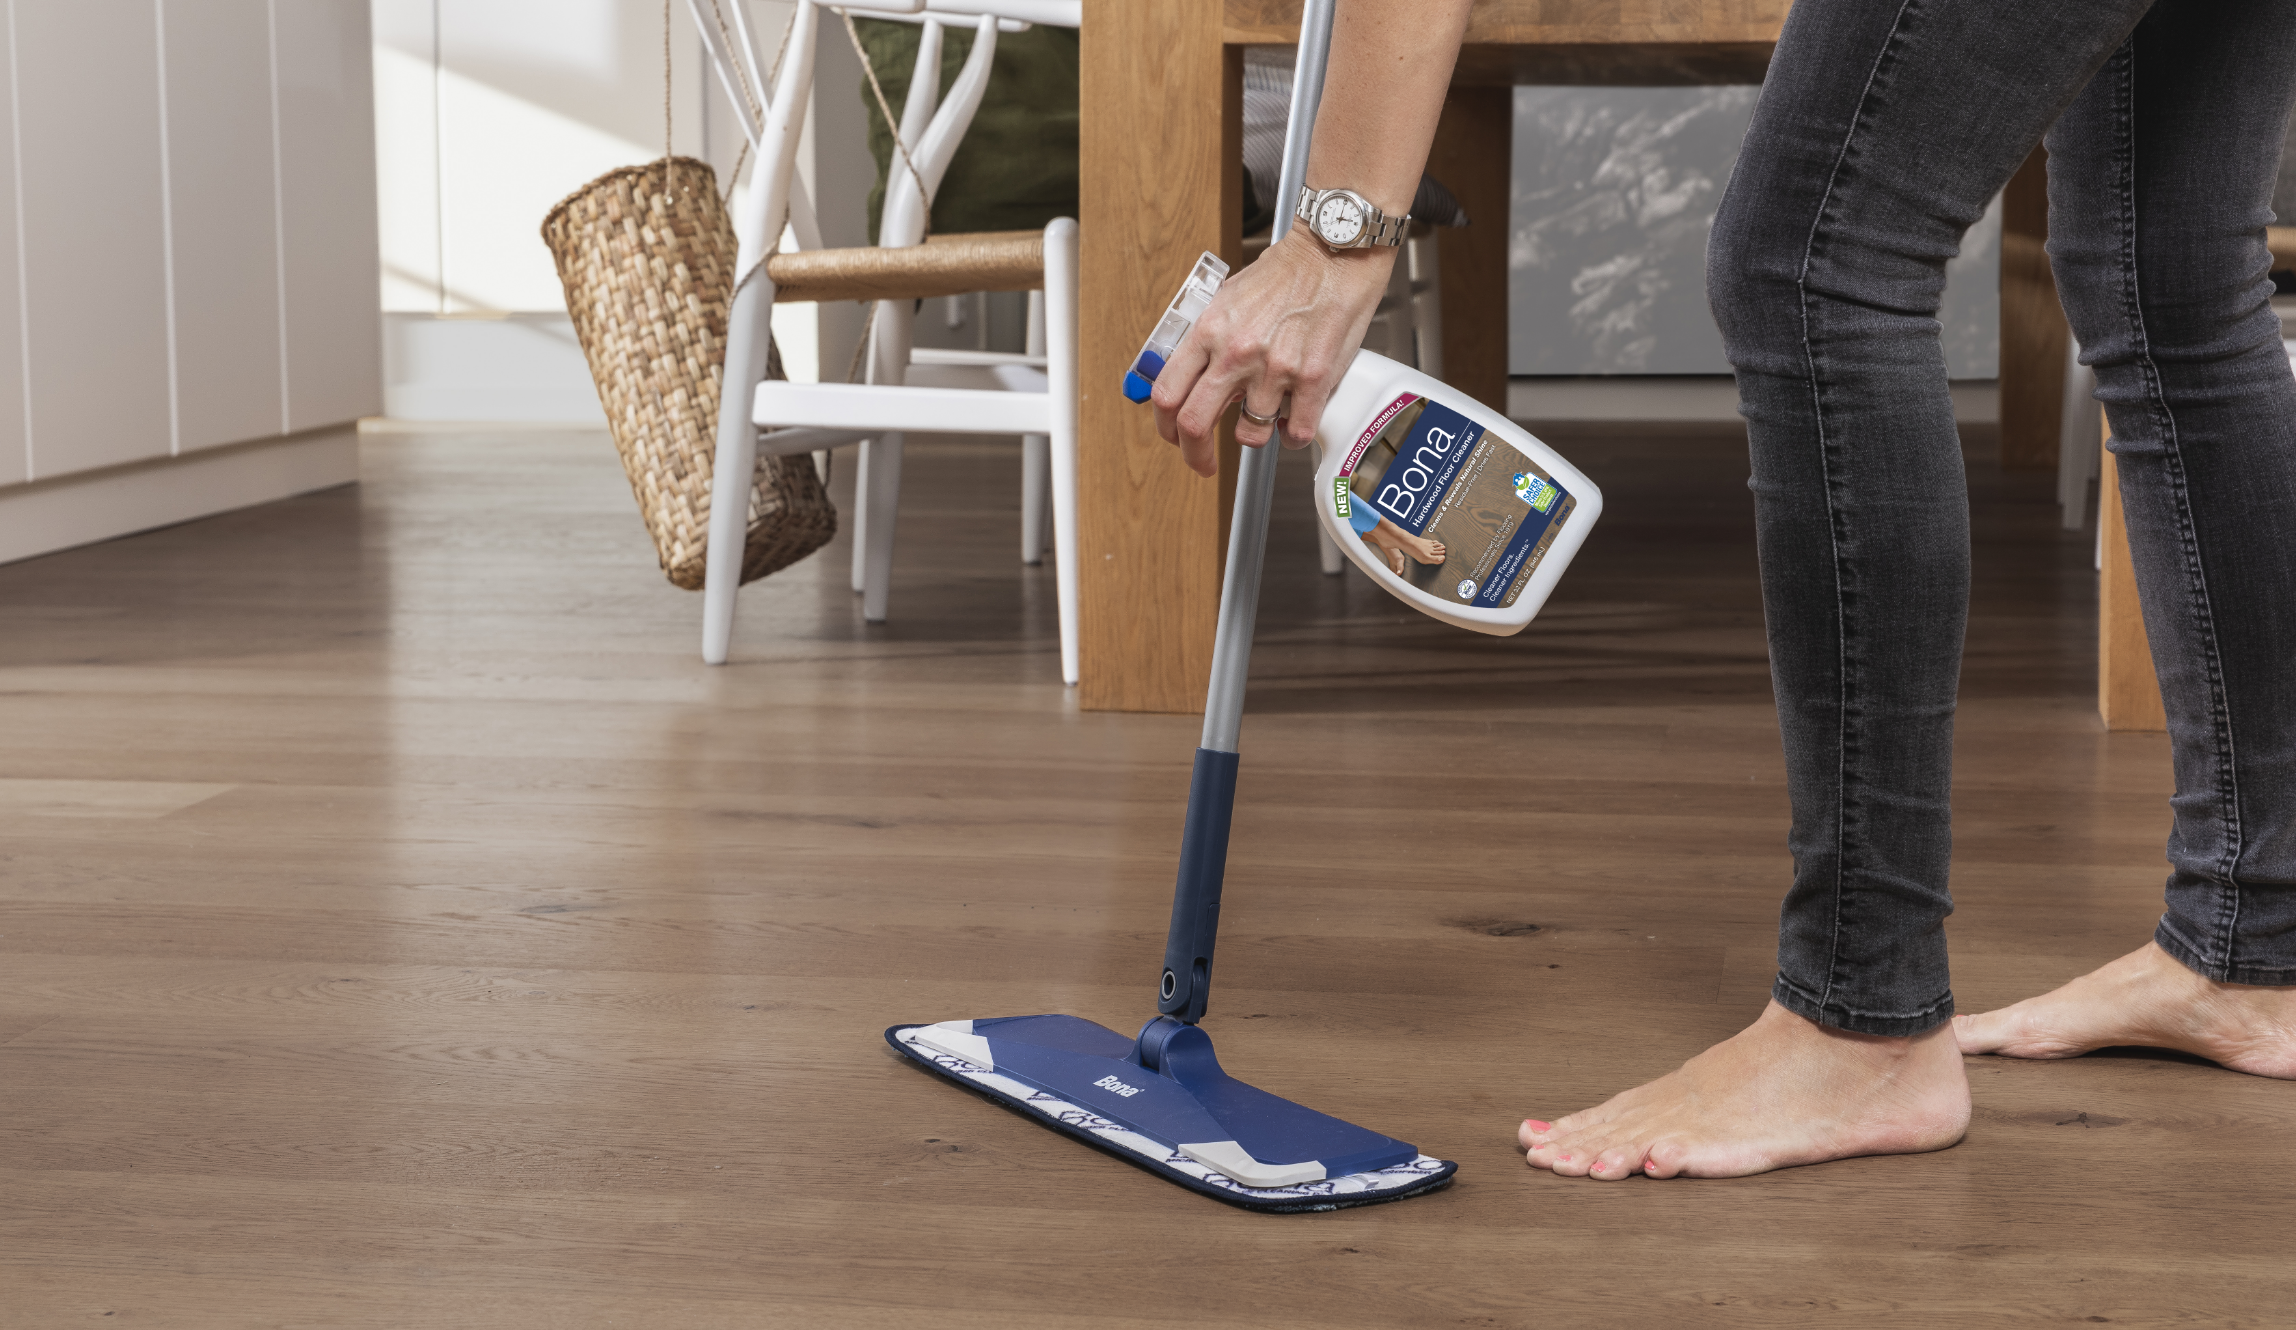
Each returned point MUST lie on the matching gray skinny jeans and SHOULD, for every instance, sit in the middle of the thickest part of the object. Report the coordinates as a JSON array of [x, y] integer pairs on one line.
[[1883, 129]]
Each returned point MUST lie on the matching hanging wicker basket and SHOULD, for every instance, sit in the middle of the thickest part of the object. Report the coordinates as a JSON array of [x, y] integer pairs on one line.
[[647, 257]]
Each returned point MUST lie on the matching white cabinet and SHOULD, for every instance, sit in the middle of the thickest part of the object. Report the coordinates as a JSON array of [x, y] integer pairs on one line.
[[94, 242], [196, 265], [327, 101], [223, 205], [15, 458]]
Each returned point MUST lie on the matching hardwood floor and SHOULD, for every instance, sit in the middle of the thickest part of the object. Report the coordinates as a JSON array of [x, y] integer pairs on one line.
[[400, 926]]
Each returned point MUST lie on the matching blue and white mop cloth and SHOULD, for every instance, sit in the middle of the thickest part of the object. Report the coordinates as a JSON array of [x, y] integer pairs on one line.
[[1207, 1165]]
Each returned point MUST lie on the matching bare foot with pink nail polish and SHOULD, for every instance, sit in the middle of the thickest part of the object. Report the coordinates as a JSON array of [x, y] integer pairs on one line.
[[1783, 1091]]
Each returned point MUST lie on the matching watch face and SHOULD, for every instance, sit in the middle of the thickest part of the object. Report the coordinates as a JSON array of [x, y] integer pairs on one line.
[[1339, 220]]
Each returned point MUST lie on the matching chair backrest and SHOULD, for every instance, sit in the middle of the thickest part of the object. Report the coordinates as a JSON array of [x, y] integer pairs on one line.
[[931, 134], [772, 113]]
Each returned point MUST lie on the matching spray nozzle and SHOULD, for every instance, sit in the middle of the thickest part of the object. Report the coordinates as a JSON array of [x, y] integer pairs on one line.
[[1195, 294]]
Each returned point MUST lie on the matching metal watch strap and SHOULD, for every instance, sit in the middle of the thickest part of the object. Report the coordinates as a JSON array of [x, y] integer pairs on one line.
[[1387, 232]]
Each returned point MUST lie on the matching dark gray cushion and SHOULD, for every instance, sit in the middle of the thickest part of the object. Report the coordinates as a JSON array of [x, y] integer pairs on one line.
[[1016, 169]]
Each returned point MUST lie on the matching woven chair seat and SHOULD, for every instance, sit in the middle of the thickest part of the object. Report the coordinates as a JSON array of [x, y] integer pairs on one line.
[[943, 266]]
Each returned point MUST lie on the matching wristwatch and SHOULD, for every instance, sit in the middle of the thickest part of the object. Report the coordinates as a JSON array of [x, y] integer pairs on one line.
[[1344, 219]]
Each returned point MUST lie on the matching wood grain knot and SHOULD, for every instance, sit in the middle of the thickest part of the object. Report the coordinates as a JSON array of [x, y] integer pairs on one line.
[[1495, 927]]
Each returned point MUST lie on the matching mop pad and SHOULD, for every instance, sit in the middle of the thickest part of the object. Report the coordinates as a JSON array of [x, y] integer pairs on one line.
[[1410, 1177]]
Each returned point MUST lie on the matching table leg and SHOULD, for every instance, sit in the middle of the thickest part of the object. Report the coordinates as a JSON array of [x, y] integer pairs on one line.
[[2128, 692], [1155, 189], [2033, 331], [1474, 156]]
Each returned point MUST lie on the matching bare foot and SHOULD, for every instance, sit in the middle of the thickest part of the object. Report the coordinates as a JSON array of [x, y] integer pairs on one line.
[[1783, 1091], [1398, 545], [2146, 998]]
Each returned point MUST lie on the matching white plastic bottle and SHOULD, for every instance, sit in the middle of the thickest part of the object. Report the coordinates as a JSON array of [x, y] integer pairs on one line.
[[1456, 510]]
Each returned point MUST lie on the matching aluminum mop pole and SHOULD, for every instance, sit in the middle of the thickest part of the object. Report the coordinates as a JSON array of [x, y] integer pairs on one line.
[[1185, 989], [1161, 1100]]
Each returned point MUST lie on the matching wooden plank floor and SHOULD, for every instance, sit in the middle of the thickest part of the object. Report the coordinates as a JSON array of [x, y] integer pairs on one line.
[[398, 925]]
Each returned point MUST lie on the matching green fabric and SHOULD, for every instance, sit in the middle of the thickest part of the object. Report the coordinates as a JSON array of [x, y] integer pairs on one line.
[[1016, 169]]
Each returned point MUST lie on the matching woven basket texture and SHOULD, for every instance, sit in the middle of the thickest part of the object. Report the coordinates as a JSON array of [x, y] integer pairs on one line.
[[647, 257]]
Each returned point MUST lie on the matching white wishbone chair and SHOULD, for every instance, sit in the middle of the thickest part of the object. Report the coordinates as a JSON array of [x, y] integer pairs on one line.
[[1035, 392]]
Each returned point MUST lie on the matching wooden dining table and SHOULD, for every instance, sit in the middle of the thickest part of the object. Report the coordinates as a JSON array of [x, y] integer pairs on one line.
[[1161, 151]]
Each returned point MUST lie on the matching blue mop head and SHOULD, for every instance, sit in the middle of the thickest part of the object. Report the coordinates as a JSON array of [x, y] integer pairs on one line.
[[1189, 1123]]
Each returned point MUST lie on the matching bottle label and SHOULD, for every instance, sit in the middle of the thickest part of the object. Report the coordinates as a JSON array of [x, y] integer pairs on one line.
[[1453, 511]]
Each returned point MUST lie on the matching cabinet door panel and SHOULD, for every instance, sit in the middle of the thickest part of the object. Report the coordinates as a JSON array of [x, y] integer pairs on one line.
[[15, 459], [327, 171], [95, 292], [224, 221]]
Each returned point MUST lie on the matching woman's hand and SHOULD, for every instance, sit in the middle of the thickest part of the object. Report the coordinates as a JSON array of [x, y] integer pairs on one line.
[[1288, 324], [1291, 322]]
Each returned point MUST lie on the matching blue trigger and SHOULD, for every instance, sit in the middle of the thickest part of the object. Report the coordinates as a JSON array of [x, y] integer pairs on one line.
[[1140, 380]]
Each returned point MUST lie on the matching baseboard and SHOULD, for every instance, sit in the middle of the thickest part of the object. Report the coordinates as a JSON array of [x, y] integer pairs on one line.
[[60, 513], [386, 426]]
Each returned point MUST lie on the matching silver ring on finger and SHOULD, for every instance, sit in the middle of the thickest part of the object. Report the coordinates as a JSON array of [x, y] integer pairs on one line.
[[1244, 410]]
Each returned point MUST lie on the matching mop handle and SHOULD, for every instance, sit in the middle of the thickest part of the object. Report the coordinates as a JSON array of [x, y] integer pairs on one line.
[[1256, 473], [1185, 986]]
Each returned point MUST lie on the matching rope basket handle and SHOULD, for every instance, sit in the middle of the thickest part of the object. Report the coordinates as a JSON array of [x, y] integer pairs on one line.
[[885, 109]]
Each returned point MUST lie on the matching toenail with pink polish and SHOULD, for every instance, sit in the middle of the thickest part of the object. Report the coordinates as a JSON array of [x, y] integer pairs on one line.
[[1535, 1125]]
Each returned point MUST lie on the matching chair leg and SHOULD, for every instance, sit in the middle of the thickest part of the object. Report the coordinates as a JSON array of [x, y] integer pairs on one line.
[[1402, 324], [733, 467], [1060, 373], [1427, 315], [722, 576], [1035, 457], [883, 505], [2076, 459], [1063, 459], [860, 514], [1035, 452], [880, 331], [878, 498]]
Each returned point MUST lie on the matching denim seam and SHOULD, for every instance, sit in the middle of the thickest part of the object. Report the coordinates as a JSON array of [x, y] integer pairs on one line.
[[1831, 1013], [2184, 953], [1833, 513], [2219, 955]]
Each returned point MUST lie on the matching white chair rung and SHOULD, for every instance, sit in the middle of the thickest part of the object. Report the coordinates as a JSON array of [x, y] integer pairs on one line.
[[933, 355], [909, 410], [788, 442]]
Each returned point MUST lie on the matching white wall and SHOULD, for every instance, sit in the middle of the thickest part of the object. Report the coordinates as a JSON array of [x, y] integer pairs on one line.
[[488, 113], [187, 256]]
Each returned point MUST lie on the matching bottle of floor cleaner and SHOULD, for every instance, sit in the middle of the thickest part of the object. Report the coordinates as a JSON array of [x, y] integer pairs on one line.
[[1457, 511]]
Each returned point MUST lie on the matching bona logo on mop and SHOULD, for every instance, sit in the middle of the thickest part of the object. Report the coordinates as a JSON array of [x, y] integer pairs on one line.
[[1111, 1083]]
